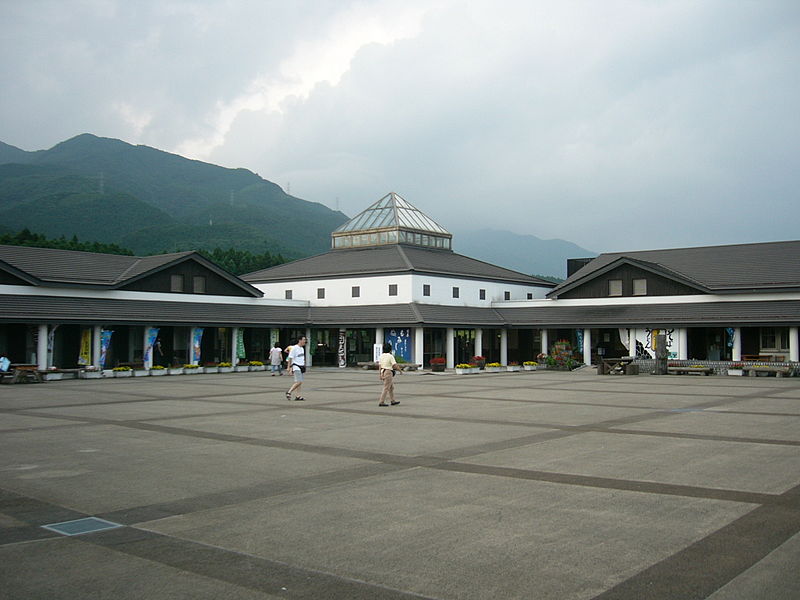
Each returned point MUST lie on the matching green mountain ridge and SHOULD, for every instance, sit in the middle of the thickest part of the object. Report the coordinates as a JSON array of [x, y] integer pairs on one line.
[[150, 200]]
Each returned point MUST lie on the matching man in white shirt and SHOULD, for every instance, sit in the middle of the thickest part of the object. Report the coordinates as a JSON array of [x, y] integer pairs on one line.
[[296, 364]]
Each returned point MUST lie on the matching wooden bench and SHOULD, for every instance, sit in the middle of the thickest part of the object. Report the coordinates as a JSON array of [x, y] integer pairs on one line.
[[24, 374], [689, 370], [753, 371]]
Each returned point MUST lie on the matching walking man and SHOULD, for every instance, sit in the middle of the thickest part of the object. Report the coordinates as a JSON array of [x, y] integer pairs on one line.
[[296, 363], [387, 365]]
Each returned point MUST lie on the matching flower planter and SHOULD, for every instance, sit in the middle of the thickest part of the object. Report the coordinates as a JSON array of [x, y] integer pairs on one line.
[[52, 376], [108, 373], [736, 372], [513, 368], [158, 372], [438, 368], [192, 371], [529, 367], [467, 371], [90, 374], [141, 372], [123, 373], [210, 369], [224, 369], [175, 371], [241, 368], [258, 367], [494, 369]]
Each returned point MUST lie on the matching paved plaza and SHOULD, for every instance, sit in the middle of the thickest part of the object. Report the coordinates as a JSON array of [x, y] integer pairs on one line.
[[543, 485]]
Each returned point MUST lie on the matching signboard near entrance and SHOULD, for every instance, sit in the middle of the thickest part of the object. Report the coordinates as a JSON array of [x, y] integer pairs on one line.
[[400, 339]]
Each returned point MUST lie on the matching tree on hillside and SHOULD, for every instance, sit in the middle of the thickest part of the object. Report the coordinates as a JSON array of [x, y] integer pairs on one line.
[[37, 240], [239, 262]]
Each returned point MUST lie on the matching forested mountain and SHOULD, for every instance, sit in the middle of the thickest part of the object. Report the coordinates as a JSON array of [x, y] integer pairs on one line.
[[152, 201]]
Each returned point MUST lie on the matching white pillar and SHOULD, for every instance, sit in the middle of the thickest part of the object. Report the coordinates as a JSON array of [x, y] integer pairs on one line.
[[41, 348], [587, 346], [794, 351], [96, 345], [545, 343], [234, 337], [478, 342], [632, 341], [419, 345], [683, 344], [503, 347], [736, 351], [379, 335], [450, 347], [308, 347]]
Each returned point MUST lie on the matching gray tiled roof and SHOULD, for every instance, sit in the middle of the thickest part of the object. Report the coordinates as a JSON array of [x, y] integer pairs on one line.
[[396, 258], [764, 266]]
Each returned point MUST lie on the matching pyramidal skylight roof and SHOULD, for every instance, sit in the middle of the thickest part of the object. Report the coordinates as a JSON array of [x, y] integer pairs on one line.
[[391, 220]]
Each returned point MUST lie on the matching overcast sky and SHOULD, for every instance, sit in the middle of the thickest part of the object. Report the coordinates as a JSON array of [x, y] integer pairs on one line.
[[617, 125]]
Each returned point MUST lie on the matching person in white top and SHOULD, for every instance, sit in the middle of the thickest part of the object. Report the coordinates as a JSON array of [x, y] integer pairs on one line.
[[387, 366], [296, 363], [276, 359]]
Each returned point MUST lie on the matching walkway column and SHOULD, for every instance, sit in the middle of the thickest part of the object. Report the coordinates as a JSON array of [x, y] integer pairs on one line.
[[419, 345], [96, 345], [478, 342], [450, 347], [234, 338], [587, 346], [683, 344], [41, 348], [736, 351], [503, 346], [308, 348], [794, 351], [545, 343], [632, 341], [379, 335]]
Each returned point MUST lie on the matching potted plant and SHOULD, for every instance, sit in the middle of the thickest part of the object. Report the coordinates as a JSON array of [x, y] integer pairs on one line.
[[438, 363], [90, 372], [257, 365], [242, 366], [479, 361], [191, 369], [52, 374], [493, 367], [175, 370], [122, 372], [530, 365], [158, 370], [466, 369], [141, 372], [211, 368], [736, 369], [513, 366], [224, 367]]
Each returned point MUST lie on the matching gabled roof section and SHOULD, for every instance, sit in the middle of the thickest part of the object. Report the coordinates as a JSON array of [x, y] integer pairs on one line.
[[382, 260], [55, 267], [769, 266], [18, 273]]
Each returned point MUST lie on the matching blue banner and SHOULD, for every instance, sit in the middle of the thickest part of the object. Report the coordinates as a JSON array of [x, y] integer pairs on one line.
[[197, 336], [400, 339], [105, 342], [151, 334]]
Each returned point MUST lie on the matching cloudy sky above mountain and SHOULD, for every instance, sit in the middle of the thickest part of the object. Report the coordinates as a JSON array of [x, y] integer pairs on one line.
[[617, 125]]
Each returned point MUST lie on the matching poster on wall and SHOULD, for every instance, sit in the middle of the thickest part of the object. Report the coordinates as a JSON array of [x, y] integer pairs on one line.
[[400, 339]]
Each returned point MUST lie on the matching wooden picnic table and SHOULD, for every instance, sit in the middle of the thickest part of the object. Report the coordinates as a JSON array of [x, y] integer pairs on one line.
[[24, 373]]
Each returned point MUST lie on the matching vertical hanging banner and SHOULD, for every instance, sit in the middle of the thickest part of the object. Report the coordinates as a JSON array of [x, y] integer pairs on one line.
[[85, 354], [197, 336], [342, 348], [400, 339], [240, 353], [151, 335], [105, 342]]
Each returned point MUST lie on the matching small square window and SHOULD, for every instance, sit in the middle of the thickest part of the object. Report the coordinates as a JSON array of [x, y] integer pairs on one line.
[[426, 289], [530, 296], [199, 284], [482, 294], [506, 295], [288, 294], [320, 293], [640, 287], [615, 287], [455, 292], [176, 283], [393, 289], [356, 291]]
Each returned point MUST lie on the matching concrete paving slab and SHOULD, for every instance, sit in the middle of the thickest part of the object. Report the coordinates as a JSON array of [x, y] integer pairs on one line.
[[787, 406], [141, 410], [11, 422], [719, 423]]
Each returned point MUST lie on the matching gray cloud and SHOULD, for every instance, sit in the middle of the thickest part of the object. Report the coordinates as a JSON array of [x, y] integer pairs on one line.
[[616, 125]]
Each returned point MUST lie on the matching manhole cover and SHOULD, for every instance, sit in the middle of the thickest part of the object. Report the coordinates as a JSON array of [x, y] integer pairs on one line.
[[81, 526]]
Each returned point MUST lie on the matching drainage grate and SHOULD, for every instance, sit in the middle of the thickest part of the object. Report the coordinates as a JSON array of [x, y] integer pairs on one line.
[[81, 526]]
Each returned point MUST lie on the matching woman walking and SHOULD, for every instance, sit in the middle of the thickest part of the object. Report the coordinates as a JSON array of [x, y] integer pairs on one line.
[[387, 366]]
